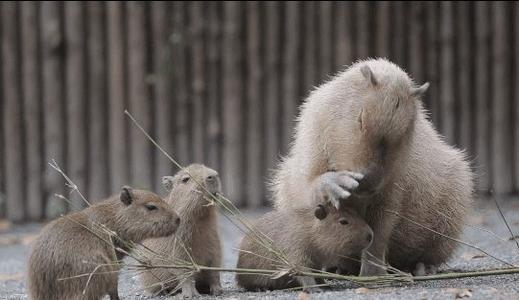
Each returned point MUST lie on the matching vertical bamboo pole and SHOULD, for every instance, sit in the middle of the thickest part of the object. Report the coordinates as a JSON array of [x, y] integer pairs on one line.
[[13, 114], [482, 95], [162, 90], [447, 70], [232, 106], [53, 105], [97, 118], [501, 149], [214, 89], [139, 100], [119, 144], [32, 109], [76, 92], [198, 82]]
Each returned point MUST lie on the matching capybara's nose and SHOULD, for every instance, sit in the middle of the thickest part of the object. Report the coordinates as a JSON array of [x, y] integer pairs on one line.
[[369, 237], [177, 221]]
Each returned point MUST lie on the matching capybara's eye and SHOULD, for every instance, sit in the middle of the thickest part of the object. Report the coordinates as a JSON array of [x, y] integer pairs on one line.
[[185, 179], [150, 207], [343, 221]]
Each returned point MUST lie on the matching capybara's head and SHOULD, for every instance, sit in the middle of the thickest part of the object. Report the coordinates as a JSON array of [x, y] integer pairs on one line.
[[384, 111], [193, 188], [146, 215], [390, 103], [341, 231]]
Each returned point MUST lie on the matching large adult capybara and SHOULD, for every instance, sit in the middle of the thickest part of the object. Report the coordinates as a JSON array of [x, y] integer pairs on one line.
[[370, 120], [75, 245]]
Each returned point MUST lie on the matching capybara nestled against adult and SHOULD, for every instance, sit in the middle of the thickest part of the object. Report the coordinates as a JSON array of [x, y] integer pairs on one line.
[[370, 120], [74, 259], [308, 238]]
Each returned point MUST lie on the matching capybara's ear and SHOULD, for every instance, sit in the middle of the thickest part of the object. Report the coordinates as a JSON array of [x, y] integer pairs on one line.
[[126, 195], [368, 74], [420, 91], [167, 182], [320, 212]]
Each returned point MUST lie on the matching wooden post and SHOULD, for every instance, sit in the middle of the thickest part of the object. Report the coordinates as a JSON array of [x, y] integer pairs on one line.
[[362, 29], [398, 33], [482, 95], [343, 39], [139, 99], [447, 94], [383, 25], [3, 208], [32, 109], [309, 57], [53, 105], [214, 89], [272, 84], [119, 142], [232, 107], [516, 94], [501, 150], [13, 114], [292, 68], [98, 163], [76, 91], [196, 38], [416, 37], [178, 54], [164, 114], [432, 101], [463, 86], [325, 39], [255, 184]]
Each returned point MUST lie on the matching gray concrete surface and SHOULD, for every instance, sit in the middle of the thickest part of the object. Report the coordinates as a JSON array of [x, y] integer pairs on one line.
[[14, 248]]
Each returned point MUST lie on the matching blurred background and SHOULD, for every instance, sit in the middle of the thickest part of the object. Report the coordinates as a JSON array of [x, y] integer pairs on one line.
[[220, 83]]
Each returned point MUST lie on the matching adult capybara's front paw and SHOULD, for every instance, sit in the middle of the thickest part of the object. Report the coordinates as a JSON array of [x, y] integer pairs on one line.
[[334, 187]]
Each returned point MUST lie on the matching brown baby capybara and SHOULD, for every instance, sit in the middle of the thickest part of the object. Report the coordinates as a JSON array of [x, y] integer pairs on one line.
[[198, 233], [75, 245], [307, 238], [370, 120]]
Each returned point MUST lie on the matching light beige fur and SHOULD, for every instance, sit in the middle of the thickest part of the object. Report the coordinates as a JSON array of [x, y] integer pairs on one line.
[[306, 241], [369, 119], [198, 232]]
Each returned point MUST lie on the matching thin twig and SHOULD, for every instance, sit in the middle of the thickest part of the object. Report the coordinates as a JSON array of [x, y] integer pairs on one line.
[[70, 183], [490, 232], [451, 238], [506, 222]]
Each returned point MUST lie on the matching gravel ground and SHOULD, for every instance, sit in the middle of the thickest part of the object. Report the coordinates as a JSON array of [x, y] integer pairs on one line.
[[15, 240]]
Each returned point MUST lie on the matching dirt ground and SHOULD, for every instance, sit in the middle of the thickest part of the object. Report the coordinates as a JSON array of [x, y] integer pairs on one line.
[[15, 242]]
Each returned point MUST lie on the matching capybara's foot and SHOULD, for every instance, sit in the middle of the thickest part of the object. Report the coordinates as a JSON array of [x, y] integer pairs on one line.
[[189, 290], [334, 187], [422, 269], [215, 289], [313, 290], [369, 269]]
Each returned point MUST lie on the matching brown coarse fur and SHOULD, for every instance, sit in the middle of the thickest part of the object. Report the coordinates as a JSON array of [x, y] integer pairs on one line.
[[369, 119], [305, 241], [75, 245], [198, 233]]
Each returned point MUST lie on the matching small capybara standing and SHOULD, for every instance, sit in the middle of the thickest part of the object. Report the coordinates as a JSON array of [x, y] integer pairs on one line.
[[66, 248], [370, 120], [307, 238], [198, 233]]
